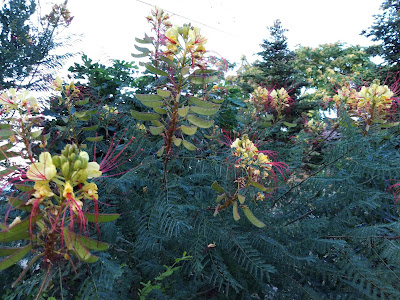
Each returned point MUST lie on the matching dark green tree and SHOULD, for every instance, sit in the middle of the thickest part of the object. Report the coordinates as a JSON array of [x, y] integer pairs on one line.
[[386, 30], [25, 46], [277, 62]]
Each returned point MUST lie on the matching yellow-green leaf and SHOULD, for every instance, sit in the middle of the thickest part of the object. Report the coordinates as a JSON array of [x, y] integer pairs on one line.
[[202, 103], [153, 104], [183, 111], [249, 215], [15, 257], [188, 145], [204, 111], [290, 124], [91, 128], [80, 114], [82, 102], [95, 139], [36, 134], [100, 218], [176, 141], [156, 123], [144, 116], [200, 122], [188, 130], [258, 186], [161, 151], [220, 197], [163, 93], [156, 130], [160, 110], [145, 97], [216, 187], [241, 199], [155, 70], [236, 215], [202, 79]]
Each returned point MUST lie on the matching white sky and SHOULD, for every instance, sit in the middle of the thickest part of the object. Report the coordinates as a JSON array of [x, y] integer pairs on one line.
[[234, 28]]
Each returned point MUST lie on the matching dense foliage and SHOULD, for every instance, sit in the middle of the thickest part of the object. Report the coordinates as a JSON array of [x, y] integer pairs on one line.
[[180, 183]]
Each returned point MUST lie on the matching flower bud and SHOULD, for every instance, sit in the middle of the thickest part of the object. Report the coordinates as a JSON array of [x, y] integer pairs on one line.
[[83, 175], [72, 157], [65, 170], [77, 164], [56, 161], [84, 163]]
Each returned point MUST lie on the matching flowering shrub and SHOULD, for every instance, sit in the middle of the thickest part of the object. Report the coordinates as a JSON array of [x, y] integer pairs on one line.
[[370, 105], [255, 172]]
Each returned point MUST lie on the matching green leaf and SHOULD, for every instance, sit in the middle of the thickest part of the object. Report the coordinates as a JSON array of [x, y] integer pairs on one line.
[[146, 40], [163, 93], [139, 55], [258, 186], [236, 215], [80, 114], [156, 130], [91, 128], [24, 188], [202, 103], [144, 98], [289, 124], [5, 133], [76, 246], [202, 79], [176, 141], [15, 257], [216, 187], [153, 104], [36, 134], [95, 139], [200, 122], [82, 102], [188, 130], [155, 70], [18, 231], [144, 116], [241, 198], [220, 197], [6, 251], [249, 215], [168, 61], [142, 49], [183, 111], [188, 145], [160, 110], [156, 123], [100, 218], [87, 242], [19, 204], [160, 151], [203, 110]]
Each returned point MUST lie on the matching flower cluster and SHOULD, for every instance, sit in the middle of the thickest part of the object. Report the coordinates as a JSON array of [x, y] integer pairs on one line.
[[159, 19], [315, 126], [256, 163], [185, 39], [275, 99], [371, 104], [10, 100], [68, 171]]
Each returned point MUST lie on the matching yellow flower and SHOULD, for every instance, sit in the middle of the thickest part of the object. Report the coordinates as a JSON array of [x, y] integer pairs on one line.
[[44, 170], [93, 170], [68, 190], [90, 191], [42, 189]]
